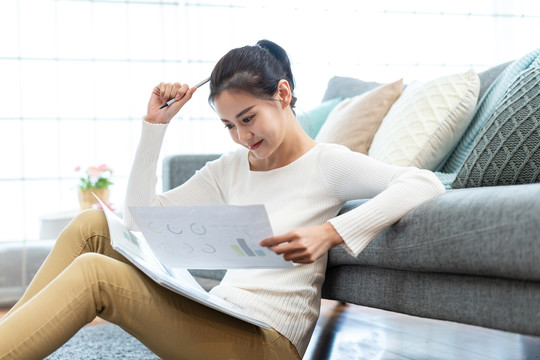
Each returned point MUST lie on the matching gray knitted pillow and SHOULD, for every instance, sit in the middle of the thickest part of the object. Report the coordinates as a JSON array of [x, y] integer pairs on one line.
[[507, 149]]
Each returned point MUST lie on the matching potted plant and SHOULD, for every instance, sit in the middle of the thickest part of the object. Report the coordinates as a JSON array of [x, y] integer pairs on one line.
[[96, 180]]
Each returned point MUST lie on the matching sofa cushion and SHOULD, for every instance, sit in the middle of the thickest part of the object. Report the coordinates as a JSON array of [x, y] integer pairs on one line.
[[313, 119], [485, 108], [344, 87], [481, 231], [427, 121], [355, 120], [487, 77], [507, 149]]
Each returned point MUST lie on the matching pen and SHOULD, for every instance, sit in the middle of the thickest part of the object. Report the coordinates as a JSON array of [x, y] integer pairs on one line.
[[172, 101]]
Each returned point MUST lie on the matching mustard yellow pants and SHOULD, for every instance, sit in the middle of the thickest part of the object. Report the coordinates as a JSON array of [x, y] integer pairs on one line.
[[84, 277]]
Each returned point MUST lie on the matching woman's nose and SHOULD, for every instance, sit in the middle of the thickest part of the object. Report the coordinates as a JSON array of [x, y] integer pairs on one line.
[[244, 134]]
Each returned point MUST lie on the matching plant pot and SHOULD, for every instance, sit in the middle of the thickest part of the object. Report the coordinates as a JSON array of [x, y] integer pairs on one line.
[[87, 199]]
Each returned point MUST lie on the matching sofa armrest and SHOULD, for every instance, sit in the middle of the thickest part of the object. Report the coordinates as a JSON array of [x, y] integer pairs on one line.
[[177, 169]]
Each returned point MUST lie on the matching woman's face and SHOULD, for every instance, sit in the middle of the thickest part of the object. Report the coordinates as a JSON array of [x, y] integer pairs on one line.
[[258, 125]]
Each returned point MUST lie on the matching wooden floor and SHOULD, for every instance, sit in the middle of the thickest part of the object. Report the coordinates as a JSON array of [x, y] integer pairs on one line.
[[350, 332], [356, 332]]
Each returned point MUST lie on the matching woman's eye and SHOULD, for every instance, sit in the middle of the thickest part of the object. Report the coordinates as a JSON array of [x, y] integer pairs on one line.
[[248, 119], [228, 126]]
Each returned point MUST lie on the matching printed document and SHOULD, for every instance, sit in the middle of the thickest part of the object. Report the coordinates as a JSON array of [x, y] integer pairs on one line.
[[208, 237], [174, 239]]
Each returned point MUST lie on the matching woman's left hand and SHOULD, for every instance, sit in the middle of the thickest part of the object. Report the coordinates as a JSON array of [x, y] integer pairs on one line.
[[304, 245]]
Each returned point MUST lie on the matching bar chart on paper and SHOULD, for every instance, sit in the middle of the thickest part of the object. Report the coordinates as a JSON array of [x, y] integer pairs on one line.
[[242, 249], [208, 237]]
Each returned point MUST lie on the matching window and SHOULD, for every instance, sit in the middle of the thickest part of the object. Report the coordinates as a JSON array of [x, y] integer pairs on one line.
[[76, 74]]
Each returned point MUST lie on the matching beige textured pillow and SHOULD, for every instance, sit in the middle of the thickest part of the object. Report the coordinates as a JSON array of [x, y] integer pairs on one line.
[[427, 121], [354, 122]]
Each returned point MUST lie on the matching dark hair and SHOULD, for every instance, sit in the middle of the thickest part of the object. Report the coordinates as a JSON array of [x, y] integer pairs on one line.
[[256, 70]]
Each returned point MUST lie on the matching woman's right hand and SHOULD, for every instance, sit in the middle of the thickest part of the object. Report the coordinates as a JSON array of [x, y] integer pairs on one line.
[[163, 93]]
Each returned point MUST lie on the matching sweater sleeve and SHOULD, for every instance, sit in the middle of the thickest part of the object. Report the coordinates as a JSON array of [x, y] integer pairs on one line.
[[201, 189], [392, 191]]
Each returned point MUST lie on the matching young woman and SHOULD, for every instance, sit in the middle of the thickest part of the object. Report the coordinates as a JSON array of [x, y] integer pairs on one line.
[[302, 185]]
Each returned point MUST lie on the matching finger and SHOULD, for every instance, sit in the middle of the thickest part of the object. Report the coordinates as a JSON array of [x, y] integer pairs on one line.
[[191, 91], [156, 90], [302, 257], [282, 248], [174, 89], [166, 96], [180, 91], [275, 240], [161, 88], [289, 247], [298, 256], [185, 98], [296, 253], [293, 255]]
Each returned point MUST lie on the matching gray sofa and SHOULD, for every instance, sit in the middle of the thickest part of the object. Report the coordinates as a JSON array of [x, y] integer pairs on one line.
[[469, 256]]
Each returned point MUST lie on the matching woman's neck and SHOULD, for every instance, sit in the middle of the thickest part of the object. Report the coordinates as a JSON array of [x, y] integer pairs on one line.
[[295, 144]]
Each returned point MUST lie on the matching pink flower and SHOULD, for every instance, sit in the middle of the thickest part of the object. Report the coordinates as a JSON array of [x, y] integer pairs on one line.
[[94, 172], [95, 177]]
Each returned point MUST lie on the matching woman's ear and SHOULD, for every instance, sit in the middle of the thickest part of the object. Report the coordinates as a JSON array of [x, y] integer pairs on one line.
[[284, 93]]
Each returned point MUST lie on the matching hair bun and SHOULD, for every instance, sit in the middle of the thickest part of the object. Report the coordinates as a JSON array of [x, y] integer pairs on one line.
[[277, 51], [281, 55]]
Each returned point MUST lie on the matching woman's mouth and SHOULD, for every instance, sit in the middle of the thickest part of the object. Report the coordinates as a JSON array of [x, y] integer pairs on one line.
[[255, 146]]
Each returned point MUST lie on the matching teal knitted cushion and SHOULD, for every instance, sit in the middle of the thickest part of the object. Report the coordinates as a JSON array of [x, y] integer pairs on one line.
[[507, 149], [312, 120], [485, 108]]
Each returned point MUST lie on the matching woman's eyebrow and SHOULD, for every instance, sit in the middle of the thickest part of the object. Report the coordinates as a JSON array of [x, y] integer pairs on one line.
[[244, 111], [241, 112]]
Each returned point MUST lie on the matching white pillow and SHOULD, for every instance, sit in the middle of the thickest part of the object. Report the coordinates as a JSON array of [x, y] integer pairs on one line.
[[354, 121], [427, 121]]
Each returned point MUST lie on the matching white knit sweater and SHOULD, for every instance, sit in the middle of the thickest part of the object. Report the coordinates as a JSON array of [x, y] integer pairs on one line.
[[308, 192]]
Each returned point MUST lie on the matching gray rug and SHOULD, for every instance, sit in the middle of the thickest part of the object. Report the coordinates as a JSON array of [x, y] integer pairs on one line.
[[98, 342]]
